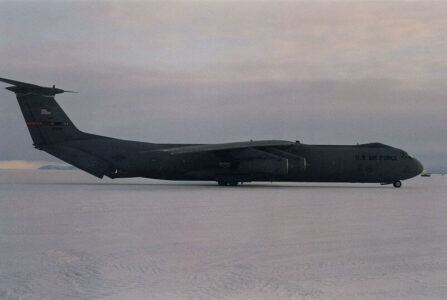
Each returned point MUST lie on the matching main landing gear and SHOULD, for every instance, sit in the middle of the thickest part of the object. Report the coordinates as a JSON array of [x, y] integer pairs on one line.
[[227, 183], [397, 184]]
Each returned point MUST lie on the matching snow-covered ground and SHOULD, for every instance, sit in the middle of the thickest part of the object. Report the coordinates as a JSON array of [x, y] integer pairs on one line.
[[64, 234]]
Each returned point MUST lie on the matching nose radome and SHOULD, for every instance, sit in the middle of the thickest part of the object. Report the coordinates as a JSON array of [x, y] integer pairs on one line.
[[418, 166]]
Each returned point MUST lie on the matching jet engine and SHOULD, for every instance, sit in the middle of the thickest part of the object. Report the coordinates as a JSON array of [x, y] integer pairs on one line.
[[272, 166]]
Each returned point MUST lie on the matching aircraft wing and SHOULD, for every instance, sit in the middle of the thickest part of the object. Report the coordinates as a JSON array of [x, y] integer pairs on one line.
[[261, 157], [227, 146]]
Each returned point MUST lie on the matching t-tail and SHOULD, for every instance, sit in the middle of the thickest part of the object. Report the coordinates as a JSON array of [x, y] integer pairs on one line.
[[46, 121], [51, 129]]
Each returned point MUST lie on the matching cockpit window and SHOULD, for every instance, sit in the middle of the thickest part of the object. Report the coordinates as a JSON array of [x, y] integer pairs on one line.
[[406, 155]]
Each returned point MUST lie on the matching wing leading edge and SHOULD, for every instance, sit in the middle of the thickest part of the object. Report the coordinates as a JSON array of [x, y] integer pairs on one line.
[[227, 146]]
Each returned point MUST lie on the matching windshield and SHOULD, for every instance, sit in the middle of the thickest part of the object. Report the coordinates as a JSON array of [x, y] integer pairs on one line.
[[406, 155]]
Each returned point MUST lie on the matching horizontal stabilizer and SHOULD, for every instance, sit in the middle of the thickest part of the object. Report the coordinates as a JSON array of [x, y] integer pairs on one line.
[[29, 88]]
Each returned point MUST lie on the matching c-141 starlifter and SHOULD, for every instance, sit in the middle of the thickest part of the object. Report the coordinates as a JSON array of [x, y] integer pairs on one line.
[[228, 164]]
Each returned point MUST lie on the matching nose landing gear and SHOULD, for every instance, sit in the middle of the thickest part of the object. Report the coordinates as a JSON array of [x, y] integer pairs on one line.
[[397, 184]]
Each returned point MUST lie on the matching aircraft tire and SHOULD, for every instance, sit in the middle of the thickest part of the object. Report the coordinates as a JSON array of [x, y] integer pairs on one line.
[[227, 183], [397, 184]]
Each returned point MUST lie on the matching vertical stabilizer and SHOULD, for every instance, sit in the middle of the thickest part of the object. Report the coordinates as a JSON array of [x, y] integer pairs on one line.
[[46, 121]]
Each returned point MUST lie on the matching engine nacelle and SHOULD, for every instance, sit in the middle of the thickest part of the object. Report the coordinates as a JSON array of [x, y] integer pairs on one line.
[[297, 165], [271, 166]]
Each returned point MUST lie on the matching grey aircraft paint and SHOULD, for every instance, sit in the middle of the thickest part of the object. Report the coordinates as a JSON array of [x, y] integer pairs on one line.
[[229, 164]]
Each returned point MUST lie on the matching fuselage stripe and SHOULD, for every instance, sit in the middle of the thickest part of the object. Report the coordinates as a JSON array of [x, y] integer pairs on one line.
[[33, 123]]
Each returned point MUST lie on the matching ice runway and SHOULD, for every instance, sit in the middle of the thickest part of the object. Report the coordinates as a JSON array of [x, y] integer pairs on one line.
[[66, 235]]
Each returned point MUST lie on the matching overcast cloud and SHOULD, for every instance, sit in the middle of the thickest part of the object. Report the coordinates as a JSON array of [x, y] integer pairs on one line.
[[334, 72]]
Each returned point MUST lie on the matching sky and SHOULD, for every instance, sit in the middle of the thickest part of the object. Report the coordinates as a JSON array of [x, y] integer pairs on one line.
[[322, 72]]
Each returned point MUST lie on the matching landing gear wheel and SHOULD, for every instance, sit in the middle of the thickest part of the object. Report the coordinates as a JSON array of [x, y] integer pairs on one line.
[[397, 184], [227, 183]]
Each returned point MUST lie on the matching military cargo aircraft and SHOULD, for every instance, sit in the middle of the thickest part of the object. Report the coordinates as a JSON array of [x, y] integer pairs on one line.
[[228, 164]]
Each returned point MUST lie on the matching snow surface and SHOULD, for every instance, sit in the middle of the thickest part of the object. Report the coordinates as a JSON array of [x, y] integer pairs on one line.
[[67, 235]]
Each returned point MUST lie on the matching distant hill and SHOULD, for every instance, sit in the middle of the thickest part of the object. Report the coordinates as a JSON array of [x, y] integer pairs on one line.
[[56, 167]]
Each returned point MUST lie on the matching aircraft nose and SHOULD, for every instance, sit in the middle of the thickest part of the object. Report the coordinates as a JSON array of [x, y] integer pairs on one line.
[[418, 167]]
